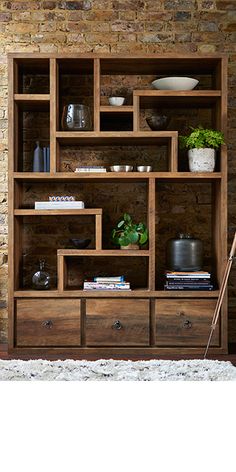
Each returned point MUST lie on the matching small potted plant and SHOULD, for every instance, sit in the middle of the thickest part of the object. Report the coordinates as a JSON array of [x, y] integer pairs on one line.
[[202, 144], [129, 235]]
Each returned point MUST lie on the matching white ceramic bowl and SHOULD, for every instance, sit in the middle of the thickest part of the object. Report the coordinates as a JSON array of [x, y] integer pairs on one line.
[[116, 101], [175, 83]]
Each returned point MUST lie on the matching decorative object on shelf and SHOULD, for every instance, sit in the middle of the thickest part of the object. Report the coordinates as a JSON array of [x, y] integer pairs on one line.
[[121, 168], [80, 243], [59, 205], [175, 83], [116, 101], [67, 198], [41, 278], [202, 144], [46, 159], [76, 117], [158, 122], [38, 160], [144, 168], [129, 235], [90, 169], [197, 280], [184, 253]]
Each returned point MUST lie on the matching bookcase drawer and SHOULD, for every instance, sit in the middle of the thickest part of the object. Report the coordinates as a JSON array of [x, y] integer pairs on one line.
[[183, 322], [48, 322], [117, 322]]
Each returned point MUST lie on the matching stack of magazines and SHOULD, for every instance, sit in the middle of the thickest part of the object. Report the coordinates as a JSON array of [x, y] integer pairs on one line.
[[107, 283], [199, 280]]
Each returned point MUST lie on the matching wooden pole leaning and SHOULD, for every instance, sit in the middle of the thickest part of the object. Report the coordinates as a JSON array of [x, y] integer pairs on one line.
[[221, 293]]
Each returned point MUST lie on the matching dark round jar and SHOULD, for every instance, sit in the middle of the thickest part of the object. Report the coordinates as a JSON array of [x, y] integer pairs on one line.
[[184, 253]]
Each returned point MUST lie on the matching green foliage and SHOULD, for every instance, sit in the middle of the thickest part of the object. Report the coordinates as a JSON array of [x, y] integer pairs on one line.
[[202, 138], [127, 232]]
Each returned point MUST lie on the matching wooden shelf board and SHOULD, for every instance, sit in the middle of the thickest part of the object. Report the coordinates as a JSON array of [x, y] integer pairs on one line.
[[115, 109], [103, 252], [31, 97], [32, 102], [179, 99], [137, 293], [119, 138], [120, 176], [32, 212]]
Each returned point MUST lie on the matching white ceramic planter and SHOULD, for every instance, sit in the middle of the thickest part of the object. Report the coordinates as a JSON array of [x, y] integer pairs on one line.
[[201, 159]]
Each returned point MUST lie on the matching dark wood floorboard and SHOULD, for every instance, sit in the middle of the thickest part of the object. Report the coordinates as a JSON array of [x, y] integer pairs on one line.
[[225, 357]]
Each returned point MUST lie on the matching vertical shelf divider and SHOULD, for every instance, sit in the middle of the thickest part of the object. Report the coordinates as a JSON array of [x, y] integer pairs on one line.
[[136, 112], [96, 94], [151, 229], [173, 154], [54, 115], [11, 227]]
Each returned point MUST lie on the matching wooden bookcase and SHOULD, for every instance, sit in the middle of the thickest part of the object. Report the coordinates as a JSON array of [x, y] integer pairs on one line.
[[65, 319]]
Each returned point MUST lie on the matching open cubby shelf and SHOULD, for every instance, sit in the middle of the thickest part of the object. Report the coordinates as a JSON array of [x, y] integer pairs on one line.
[[168, 199]]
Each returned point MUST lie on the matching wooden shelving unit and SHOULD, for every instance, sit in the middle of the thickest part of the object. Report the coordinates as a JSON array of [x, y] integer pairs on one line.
[[66, 319]]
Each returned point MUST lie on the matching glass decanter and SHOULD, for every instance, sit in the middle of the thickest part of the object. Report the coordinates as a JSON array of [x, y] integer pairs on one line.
[[41, 278], [76, 117]]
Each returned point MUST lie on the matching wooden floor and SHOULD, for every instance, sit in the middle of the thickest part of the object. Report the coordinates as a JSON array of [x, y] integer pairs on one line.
[[226, 357]]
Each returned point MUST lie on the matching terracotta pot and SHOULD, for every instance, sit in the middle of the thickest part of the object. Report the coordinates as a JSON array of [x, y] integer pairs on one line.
[[134, 247], [201, 159]]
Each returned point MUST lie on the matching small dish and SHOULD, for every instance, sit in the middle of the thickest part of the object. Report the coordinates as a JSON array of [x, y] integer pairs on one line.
[[144, 168], [175, 83], [80, 243], [116, 101], [119, 168]]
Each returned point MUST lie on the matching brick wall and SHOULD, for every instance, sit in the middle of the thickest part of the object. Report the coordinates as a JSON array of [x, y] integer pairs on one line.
[[118, 26]]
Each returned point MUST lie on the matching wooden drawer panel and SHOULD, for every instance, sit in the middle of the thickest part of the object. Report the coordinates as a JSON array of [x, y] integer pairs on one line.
[[48, 322], [117, 322], [184, 322]]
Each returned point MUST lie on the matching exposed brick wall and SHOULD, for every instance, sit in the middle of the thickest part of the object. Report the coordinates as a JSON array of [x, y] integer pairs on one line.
[[117, 26]]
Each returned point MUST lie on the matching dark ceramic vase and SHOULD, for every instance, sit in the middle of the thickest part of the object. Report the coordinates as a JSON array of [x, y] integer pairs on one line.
[[158, 122], [184, 253]]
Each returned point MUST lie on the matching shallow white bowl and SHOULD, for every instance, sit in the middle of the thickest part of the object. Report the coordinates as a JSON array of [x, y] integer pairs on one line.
[[116, 101], [175, 83]]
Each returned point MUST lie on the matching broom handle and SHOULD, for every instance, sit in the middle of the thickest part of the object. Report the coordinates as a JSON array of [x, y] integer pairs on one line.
[[221, 293]]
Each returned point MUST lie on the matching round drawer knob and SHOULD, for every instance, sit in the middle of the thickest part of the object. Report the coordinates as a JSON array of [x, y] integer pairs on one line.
[[187, 324], [117, 325], [47, 324]]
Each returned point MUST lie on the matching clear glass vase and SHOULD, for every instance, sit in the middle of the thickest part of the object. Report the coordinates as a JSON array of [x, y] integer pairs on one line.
[[41, 278], [76, 117]]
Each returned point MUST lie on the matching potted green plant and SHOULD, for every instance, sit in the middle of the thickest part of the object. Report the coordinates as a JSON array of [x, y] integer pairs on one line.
[[202, 144], [129, 235]]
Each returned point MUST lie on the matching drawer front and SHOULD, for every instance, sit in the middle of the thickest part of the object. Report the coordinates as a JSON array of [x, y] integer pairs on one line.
[[48, 322], [185, 322], [117, 322]]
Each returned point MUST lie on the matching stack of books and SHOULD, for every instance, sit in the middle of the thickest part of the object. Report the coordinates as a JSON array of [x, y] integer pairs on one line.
[[107, 283], [90, 169], [199, 280], [59, 205]]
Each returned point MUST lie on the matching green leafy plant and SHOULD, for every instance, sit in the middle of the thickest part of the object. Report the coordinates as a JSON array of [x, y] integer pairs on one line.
[[127, 232], [202, 138]]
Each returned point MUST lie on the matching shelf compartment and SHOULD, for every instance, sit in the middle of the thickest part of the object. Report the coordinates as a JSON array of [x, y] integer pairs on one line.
[[32, 75], [73, 266]]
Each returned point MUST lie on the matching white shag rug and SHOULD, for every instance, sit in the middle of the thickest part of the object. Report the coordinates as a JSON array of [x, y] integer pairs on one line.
[[115, 370]]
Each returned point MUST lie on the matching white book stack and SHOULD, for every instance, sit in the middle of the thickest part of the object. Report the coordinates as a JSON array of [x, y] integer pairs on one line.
[[60, 205], [90, 169]]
